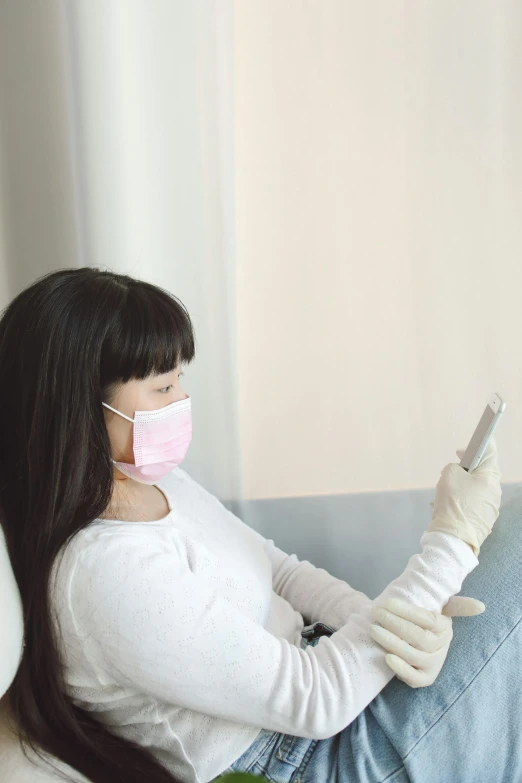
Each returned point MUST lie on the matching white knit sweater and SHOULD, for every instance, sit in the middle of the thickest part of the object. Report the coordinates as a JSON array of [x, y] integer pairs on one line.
[[184, 634]]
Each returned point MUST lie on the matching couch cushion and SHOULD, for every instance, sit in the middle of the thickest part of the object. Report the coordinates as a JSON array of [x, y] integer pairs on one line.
[[16, 768], [11, 620]]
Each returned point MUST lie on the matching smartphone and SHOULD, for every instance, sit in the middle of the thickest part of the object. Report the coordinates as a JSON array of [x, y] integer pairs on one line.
[[483, 432]]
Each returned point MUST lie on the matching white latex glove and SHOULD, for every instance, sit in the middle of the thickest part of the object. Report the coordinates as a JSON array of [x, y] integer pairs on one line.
[[467, 503], [417, 639]]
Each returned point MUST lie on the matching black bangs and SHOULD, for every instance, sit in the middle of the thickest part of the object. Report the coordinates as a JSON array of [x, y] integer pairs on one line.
[[151, 334]]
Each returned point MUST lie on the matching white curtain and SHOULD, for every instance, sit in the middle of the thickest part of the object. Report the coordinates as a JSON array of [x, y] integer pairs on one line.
[[117, 145], [116, 150]]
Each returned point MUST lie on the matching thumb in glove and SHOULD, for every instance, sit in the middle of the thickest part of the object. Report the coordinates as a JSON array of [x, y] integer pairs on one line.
[[460, 454]]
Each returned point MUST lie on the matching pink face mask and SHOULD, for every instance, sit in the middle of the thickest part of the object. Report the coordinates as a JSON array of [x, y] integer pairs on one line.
[[160, 440]]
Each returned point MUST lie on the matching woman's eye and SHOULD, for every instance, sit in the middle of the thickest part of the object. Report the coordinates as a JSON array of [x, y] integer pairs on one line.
[[171, 386]]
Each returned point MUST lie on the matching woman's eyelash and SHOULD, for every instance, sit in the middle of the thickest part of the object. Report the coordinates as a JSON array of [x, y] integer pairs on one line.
[[170, 386]]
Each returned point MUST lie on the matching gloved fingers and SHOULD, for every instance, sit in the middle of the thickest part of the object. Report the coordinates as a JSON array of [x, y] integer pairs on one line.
[[424, 618], [409, 675], [482, 479], [411, 634], [397, 646], [485, 467], [415, 678], [488, 465]]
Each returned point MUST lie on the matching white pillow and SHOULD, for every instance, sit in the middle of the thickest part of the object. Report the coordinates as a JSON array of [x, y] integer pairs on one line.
[[11, 620], [16, 768]]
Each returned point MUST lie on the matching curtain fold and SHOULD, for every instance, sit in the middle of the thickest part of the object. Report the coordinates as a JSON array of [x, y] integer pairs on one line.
[[117, 150]]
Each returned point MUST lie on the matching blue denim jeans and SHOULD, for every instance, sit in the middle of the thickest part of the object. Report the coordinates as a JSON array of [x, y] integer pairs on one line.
[[465, 728]]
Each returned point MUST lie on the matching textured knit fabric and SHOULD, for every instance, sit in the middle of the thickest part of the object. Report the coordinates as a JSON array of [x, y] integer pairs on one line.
[[184, 634]]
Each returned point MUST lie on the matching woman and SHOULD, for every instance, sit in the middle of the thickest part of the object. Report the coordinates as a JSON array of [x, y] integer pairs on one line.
[[165, 640]]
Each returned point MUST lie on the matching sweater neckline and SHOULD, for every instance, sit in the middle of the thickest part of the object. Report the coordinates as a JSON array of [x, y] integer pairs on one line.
[[163, 521]]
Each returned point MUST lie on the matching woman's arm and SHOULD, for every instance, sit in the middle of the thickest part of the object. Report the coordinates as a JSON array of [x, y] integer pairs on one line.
[[148, 622], [313, 591]]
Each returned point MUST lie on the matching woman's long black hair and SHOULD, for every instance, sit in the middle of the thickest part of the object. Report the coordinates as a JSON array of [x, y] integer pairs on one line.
[[66, 342]]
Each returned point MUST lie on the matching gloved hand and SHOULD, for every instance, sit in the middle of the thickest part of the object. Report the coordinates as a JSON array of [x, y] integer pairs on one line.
[[467, 503], [418, 640]]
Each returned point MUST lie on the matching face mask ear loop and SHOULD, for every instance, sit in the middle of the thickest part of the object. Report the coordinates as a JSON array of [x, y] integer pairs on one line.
[[118, 412]]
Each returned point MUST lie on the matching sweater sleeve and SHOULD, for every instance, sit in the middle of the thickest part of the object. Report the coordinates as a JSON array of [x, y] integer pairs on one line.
[[313, 591], [152, 624]]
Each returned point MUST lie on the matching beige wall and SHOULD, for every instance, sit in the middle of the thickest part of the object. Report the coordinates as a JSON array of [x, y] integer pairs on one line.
[[379, 244]]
